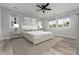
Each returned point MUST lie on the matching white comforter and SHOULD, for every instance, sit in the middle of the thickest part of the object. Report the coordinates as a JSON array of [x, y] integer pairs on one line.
[[35, 35]]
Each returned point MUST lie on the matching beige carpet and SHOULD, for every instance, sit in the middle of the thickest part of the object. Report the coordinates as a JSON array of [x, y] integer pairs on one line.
[[23, 47]]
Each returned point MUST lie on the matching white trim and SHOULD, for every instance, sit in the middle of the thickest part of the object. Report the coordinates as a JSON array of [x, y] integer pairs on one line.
[[2, 38], [74, 37]]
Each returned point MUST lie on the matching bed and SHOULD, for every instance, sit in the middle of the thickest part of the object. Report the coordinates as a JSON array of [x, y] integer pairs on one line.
[[37, 36]]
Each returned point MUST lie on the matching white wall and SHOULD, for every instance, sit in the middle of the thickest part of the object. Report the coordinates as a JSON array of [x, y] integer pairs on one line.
[[5, 22], [67, 32], [0, 22], [77, 32]]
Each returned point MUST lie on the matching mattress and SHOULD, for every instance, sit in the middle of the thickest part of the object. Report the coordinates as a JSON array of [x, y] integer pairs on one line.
[[37, 36]]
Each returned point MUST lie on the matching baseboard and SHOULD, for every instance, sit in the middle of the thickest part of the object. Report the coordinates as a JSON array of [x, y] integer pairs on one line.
[[3, 38], [73, 37]]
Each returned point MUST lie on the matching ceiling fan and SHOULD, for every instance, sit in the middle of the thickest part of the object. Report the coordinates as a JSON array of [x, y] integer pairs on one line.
[[43, 7]]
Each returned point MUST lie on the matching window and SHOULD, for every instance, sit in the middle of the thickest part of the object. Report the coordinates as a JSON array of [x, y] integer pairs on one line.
[[67, 22], [16, 25], [34, 22], [64, 22], [60, 23], [52, 24], [30, 21], [14, 21], [27, 21], [40, 25]]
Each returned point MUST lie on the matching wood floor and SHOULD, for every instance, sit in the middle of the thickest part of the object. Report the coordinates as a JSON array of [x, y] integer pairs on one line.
[[64, 47], [54, 46]]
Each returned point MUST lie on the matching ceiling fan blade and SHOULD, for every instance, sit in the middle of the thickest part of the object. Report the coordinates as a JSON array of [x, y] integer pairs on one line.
[[38, 6], [38, 10], [47, 9], [46, 4]]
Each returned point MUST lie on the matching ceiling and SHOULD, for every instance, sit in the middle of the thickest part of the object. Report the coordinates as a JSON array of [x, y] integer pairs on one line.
[[30, 8]]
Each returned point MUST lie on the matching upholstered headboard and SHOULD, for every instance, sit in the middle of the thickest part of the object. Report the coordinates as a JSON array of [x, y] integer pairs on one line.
[[29, 28]]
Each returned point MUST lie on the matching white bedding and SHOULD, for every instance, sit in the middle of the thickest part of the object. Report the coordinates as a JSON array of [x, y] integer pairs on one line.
[[37, 36]]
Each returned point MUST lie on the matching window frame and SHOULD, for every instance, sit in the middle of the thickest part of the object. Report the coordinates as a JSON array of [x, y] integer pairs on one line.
[[60, 18], [52, 23], [40, 25], [12, 17], [63, 18]]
